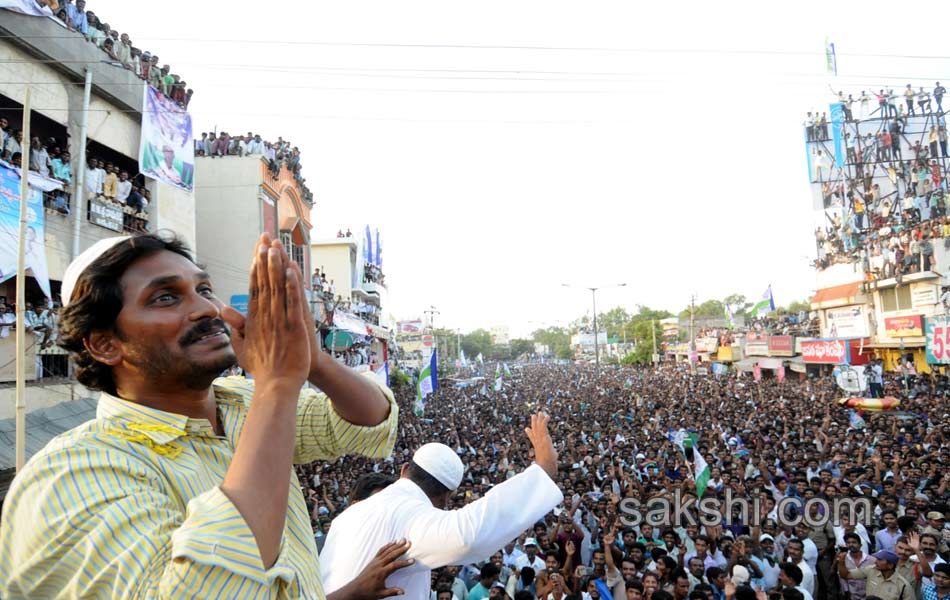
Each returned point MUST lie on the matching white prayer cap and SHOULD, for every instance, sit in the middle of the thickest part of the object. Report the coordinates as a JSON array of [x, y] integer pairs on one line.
[[441, 462], [81, 262]]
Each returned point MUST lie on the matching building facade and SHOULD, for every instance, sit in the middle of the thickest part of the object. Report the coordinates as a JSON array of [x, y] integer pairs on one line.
[[239, 198]]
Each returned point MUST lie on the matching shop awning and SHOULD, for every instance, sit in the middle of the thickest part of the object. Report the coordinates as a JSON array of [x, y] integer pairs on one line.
[[836, 292]]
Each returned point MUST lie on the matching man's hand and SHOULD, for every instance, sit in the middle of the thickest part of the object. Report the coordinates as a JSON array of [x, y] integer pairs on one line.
[[544, 453], [370, 584], [271, 343]]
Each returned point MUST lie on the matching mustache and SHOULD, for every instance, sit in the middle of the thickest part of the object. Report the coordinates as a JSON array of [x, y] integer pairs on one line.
[[204, 328]]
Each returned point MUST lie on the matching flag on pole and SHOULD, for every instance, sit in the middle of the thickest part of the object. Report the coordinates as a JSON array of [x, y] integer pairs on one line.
[[427, 383], [479, 358], [497, 370], [700, 471], [368, 250], [766, 303], [831, 58], [484, 390], [498, 384], [731, 317], [463, 359], [507, 370], [378, 259]]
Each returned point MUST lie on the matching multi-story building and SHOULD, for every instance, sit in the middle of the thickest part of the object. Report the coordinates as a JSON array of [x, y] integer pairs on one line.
[[54, 62], [238, 199], [351, 300], [879, 199]]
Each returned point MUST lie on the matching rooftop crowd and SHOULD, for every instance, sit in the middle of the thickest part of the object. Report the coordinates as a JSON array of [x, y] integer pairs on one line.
[[892, 230], [772, 442], [277, 154], [120, 50]]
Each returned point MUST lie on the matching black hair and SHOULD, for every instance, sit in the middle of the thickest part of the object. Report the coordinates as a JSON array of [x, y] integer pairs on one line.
[[368, 484], [793, 594], [661, 595], [793, 572], [524, 595], [713, 573], [431, 486], [679, 574], [744, 592], [489, 571], [97, 301]]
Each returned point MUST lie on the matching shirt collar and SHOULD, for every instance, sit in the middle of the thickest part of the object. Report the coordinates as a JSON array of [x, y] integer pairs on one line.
[[159, 426]]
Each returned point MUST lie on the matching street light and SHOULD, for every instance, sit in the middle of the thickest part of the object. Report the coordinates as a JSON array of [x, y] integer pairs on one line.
[[593, 292]]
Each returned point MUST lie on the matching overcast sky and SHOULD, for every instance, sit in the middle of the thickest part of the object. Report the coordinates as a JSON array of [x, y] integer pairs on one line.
[[505, 148]]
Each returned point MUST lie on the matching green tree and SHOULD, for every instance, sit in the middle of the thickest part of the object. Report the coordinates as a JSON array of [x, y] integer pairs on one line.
[[739, 303], [521, 346], [557, 339], [613, 321], [477, 342], [710, 309]]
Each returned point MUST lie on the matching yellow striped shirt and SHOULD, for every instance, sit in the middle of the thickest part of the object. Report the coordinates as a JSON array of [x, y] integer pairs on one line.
[[128, 506]]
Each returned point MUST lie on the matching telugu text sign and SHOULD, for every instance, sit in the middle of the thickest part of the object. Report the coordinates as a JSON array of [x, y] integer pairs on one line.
[[825, 351], [900, 327]]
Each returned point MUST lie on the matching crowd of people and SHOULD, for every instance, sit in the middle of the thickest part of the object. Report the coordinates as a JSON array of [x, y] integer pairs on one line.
[[121, 51], [891, 228], [112, 185], [781, 444], [103, 179], [277, 154]]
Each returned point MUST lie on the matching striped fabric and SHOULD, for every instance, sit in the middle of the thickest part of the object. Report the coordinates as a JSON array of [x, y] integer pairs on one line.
[[128, 506]]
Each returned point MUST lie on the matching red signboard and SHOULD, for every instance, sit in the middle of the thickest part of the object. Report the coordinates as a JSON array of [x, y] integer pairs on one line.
[[904, 326], [825, 351], [781, 345], [753, 336], [428, 341]]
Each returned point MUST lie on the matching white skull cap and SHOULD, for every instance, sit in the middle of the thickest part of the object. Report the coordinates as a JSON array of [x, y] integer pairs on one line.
[[441, 462], [81, 262]]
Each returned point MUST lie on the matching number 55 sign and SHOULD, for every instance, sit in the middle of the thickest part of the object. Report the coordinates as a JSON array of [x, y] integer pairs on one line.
[[938, 340]]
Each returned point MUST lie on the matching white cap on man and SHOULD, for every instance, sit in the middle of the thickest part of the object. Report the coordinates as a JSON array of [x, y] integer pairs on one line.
[[82, 262], [441, 462]]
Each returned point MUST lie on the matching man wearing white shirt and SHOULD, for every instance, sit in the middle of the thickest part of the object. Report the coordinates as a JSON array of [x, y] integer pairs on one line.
[[124, 188], [795, 551], [530, 557], [510, 554], [93, 180], [413, 509]]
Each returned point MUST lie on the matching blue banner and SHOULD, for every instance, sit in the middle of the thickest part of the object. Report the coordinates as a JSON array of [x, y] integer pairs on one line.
[[35, 245], [837, 132]]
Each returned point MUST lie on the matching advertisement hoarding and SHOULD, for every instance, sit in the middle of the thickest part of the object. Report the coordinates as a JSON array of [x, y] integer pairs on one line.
[[899, 327]]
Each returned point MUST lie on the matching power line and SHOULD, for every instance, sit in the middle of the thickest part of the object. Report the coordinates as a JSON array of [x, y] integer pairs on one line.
[[449, 46]]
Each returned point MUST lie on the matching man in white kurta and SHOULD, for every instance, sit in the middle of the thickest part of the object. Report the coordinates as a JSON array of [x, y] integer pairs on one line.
[[439, 537]]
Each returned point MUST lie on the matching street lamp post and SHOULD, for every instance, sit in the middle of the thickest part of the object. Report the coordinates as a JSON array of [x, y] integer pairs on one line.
[[593, 293]]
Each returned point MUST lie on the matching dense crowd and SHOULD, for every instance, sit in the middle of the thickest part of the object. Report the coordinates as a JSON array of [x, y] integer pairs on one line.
[[121, 51], [277, 154], [781, 444], [892, 231]]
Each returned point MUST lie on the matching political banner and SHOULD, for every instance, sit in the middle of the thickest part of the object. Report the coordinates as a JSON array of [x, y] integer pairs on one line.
[[34, 8], [166, 150], [825, 351], [909, 326], [937, 332], [35, 244]]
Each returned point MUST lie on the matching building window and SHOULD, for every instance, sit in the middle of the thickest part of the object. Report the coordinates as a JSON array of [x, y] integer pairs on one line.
[[297, 255], [294, 251], [896, 298]]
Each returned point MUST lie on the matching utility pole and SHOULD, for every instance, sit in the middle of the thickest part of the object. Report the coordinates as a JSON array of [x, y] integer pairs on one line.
[[692, 339], [431, 313], [593, 293], [20, 437], [653, 329]]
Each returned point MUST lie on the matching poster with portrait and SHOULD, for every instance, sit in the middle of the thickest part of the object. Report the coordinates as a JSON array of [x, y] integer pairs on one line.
[[166, 151], [35, 244]]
